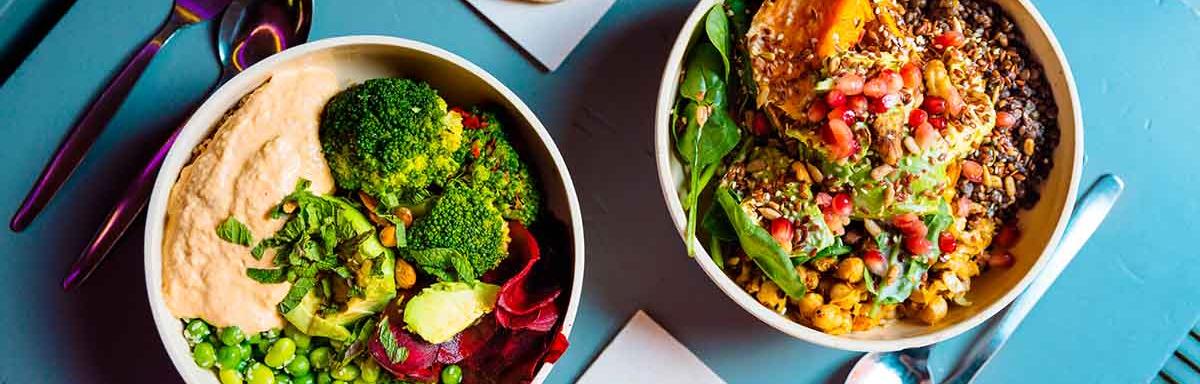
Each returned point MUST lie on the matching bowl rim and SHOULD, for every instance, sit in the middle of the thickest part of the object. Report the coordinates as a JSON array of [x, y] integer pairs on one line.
[[664, 151], [177, 157]]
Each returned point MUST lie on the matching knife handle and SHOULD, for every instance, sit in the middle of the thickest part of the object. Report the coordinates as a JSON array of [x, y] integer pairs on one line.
[[81, 136]]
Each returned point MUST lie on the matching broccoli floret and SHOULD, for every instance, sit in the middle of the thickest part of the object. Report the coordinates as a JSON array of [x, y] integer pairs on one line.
[[391, 138], [466, 220], [496, 169]]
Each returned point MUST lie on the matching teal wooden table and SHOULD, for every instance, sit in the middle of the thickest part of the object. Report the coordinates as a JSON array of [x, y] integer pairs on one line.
[[1115, 315]]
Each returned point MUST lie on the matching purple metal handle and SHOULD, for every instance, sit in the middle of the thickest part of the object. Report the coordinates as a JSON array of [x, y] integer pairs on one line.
[[132, 202], [81, 137]]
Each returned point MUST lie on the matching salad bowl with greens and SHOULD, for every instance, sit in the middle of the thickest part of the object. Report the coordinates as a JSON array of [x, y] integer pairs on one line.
[[364, 209], [868, 175]]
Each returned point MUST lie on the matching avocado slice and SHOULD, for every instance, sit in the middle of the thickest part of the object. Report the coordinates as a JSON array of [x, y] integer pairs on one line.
[[378, 289], [444, 309]]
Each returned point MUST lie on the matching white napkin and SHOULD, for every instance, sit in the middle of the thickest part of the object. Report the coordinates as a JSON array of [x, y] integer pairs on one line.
[[643, 352], [547, 31]]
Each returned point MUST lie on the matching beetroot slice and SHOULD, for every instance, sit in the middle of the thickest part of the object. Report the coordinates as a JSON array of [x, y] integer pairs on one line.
[[540, 321], [420, 363], [515, 294], [557, 348], [467, 342]]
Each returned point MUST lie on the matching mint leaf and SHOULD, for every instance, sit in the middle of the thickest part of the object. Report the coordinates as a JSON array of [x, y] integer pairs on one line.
[[295, 294], [267, 276], [235, 232], [396, 354]]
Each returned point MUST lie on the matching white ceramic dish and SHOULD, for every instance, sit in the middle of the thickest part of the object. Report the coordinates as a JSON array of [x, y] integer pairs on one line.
[[357, 58], [1041, 227]]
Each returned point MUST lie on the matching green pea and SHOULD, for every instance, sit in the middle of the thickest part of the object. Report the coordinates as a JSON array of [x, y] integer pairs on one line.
[[196, 330], [260, 374], [324, 378], [298, 366], [452, 374], [280, 353], [304, 379], [283, 378], [204, 354], [346, 372], [230, 376], [302, 340], [319, 358], [232, 335], [255, 338], [368, 370], [245, 350], [360, 380], [228, 357], [339, 382]]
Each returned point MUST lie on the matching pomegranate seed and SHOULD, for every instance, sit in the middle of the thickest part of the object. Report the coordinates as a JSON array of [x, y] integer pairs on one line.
[[875, 261], [835, 98], [926, 135], [947, 243], [858, 104], [963, 206], [875, 87], [938, 122], [912, 75], [877, 106], [917, 245], [972, 171], [843, 114], [1000, 260], [839, 138], [934, 105], [782, 231], [850, 84], [1007, 237], [910, 225], [760, 126], [893, 80], [842, 204], [1005, 120], [949, 39], [917, 117], [816, 111]]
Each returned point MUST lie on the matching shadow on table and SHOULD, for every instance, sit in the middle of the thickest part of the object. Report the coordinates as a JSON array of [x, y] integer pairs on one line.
[[636, 259], [111, 334]]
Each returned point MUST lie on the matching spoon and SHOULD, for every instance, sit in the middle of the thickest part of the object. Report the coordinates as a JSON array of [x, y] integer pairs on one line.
[[81, 136], [911, 365], [251, 30]]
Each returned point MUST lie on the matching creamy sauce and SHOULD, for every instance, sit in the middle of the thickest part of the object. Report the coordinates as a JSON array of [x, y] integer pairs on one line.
[[252, 161]]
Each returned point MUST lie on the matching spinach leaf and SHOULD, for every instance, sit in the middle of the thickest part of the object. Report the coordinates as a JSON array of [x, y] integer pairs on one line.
[[761, 247], [716, 26], [717, 224], [702, 76], [710, 142]]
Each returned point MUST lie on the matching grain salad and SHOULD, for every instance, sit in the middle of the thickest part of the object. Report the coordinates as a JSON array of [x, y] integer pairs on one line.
[[855, 163]]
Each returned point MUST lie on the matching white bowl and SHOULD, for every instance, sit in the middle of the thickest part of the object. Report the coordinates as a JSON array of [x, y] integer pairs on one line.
[[358, 58], [1041, 226]]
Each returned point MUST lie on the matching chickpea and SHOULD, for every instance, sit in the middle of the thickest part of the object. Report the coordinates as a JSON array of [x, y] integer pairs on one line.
[[812, 279], [809, 303], [850, 269], [828, 317], [823, 264], [768, 294], [843, 295], [933, 311]]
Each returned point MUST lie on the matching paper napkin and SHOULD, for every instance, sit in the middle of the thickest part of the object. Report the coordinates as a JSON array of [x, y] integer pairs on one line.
[[643, 352], [547, 31]]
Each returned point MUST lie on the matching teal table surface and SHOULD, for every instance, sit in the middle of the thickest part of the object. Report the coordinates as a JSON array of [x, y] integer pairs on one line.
[[1115, 315]]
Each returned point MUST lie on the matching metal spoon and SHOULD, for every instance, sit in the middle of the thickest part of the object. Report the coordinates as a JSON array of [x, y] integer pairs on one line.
[[250, 31], [911, 365], [81, 137]]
